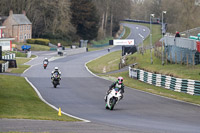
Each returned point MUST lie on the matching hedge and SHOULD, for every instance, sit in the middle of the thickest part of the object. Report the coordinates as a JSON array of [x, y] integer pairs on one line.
[[38, 41]]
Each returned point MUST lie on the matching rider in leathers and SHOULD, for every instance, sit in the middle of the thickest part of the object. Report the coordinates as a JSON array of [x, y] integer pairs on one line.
[[118, 84], [54, 71]]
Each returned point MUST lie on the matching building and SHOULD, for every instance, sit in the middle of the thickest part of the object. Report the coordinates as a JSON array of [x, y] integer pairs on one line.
[[18, 26], [5, 43]]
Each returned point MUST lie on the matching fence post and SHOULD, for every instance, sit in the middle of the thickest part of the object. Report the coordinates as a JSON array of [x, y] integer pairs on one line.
[[193, 60], [175, 58], [166, 57], [181, 58], [170, 57]]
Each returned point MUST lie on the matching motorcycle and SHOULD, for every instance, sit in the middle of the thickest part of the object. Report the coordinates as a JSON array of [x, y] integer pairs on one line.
[[55, 79], [113, 98], [45, 64]]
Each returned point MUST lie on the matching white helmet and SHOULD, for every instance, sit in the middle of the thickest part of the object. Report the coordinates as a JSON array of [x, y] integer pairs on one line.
[[56, 68], [45, 58]]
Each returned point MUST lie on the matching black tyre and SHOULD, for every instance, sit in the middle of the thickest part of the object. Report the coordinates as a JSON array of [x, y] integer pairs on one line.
[[113, 102], [55, 85], [107, 106]]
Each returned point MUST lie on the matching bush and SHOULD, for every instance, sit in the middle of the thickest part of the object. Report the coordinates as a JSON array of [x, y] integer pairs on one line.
[[38, 41], [31, 41]]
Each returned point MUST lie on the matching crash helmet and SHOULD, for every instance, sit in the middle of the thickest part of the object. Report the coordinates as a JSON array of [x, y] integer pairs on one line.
[[45, 58], [56, 68], [120, 80]]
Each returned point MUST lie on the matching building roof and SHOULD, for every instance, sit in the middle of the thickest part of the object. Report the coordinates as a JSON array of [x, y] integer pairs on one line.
[[21, 19]]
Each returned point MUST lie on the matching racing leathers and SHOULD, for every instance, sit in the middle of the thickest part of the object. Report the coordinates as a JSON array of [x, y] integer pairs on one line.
[[116, 85], [56, 71]]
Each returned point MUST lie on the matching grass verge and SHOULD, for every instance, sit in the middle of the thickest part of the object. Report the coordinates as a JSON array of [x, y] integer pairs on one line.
[[20, 65], [34, 47], [127, 32], [18, 100], [156, 32], [106, 63], [144, 62], [133, 83]]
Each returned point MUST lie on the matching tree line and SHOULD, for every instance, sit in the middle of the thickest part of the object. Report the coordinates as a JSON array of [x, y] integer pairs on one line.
[[71, 19], [96, 19], [181, 15]]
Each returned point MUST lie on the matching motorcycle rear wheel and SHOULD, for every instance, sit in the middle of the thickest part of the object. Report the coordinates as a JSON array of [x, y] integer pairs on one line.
[[113, 102], [55, 85]]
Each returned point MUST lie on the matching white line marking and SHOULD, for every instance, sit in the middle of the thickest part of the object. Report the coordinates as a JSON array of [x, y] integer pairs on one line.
[[138, 89], [40, 96], [141, 36]]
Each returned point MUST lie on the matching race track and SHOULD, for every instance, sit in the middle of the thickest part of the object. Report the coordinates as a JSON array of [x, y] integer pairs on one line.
[[81, 94]]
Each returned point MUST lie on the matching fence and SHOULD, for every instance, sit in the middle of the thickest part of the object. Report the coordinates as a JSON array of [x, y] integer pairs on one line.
[[181, 50], [4, 67], [180, 42], [9, 56], [176, 84]]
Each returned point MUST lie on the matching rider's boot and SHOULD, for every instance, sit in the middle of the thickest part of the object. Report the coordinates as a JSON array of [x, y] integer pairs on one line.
[[105, 98]]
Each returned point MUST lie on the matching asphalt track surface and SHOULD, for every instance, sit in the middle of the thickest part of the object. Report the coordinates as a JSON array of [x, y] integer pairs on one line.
[[81, 94]]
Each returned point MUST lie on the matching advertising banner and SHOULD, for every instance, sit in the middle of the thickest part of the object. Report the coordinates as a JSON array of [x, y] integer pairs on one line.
[[127, 42]]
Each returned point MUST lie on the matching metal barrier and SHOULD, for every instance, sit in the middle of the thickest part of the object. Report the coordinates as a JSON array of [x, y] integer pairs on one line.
[[181, 50], [176, 84], [180, 42]]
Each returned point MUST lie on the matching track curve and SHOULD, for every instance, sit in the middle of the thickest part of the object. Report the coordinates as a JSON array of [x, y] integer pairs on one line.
[[81, 94]]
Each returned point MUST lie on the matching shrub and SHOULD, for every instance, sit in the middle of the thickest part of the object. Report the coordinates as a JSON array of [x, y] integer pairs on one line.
[[38, 41], [31, 41]]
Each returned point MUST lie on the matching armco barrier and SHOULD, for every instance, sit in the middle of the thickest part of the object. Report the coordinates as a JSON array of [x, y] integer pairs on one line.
[[176, 84]]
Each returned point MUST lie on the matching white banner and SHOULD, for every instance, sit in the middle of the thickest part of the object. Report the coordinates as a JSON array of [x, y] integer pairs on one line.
[[123, 42]]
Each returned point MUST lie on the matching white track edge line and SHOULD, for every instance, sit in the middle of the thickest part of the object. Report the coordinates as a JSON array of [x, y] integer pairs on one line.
[[137, 89], [40, 96]]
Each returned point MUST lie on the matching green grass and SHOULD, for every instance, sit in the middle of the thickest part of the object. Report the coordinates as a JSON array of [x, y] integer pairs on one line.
[[1, 61], [103, 41], [37, 47], [156, 32], [108, 63], [34, 47], [63, 42], [127, 32], [144, 62], [20, 65], [18, 100], [176, 70], [133, 83], [17, 53]]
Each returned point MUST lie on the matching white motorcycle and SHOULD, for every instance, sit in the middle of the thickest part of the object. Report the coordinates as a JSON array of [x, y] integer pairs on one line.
[[113, 98]]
